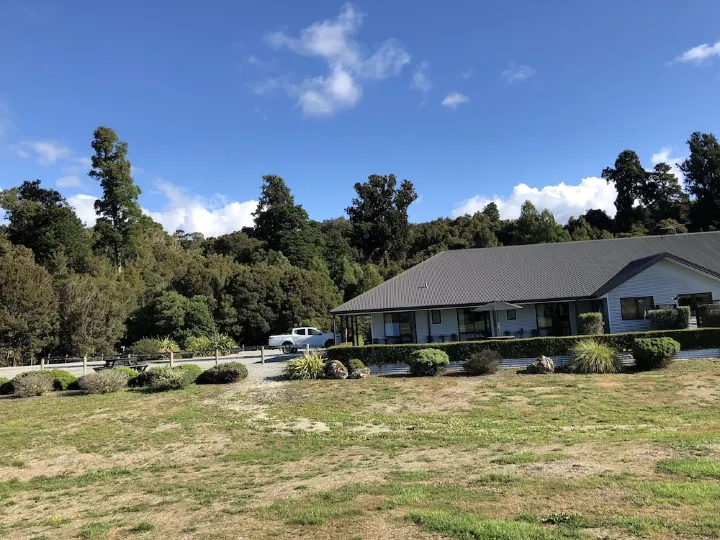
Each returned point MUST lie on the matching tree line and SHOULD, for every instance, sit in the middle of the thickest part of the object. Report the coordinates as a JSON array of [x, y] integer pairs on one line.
[[66, 289]]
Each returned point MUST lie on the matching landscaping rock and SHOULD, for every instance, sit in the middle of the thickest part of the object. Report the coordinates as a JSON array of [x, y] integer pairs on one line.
[[542, 364], [360, 373], [336, 370]]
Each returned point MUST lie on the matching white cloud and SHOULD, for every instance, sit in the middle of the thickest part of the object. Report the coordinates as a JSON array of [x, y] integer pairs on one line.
[[348, 63], [46, 152], [136, 170], [701, 53], [68, 181], [268, 85], [192, 213], [84, 207], [84, 162], [515, 73], [421, 80], [664, 156], [255, 61], [467, 74], [562, 200], [453, 99]]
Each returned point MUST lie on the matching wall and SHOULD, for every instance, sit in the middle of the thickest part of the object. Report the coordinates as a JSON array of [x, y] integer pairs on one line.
[[447, 327], [526, 320], [663, 281]]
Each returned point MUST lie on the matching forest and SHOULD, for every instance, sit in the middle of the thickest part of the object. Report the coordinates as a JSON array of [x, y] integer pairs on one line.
[[66, 289]]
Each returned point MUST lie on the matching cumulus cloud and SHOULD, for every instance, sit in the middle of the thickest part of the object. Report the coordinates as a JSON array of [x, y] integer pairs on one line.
[[347, 60], [84, 206], [421, 80], [453, 99], [563, 200], [664, 156], [514, 74], [193, 213], [45, 152], [68, 181], [700, 54]]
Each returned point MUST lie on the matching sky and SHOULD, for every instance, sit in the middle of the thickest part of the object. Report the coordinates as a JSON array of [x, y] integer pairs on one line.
[[471, 101]]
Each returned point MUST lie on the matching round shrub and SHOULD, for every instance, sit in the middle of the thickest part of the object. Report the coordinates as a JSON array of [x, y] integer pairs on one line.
[[428, 362], [193, 371], [103, 382], [62, 380], [141, 380], [166, 378], [307, 366], [592, 357], [483, 362], [129, 373], [223, 374], [32, 384], [5, 386], [654, 353], [590, 323], [354, 364]]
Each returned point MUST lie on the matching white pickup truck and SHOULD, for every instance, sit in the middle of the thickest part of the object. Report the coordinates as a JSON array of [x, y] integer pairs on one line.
[[298, 338]]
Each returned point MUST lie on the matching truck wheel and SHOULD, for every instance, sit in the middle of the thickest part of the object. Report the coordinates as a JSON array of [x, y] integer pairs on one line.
[[329, 343], [288, 347]]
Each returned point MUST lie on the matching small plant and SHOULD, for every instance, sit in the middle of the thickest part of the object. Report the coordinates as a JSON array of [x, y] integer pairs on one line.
[[32, 384], [428, 362], [210, 343], [103, 382], [589, 356], [654, 353], [568, 520], [129, 373], [307, 366], [162, 379], [483, 362], [223, 374], [193, 371], [354, 364], [590, 323]]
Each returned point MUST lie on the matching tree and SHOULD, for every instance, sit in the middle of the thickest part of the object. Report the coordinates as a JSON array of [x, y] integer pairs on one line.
[[533, 227], [119, 214], [237, 245], [630, 181], [41, 219], [28, 306], [174, 315], [581, 229], [702, 179], [379, 217], [663, 196]]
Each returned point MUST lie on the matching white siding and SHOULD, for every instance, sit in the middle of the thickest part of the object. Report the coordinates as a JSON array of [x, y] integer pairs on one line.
[[663, 281], [526, 320], [447, 327]]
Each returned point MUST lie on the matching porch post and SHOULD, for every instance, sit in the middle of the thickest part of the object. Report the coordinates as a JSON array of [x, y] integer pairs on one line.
[[334, 331]]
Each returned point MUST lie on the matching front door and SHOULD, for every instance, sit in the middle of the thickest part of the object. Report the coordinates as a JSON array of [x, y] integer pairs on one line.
[[553, 319]]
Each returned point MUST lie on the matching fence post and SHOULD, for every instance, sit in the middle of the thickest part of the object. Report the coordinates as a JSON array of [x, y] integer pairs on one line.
[[85, 365], [307, 348], [172, 359], [262, 354], [42, 363], [217, 357]]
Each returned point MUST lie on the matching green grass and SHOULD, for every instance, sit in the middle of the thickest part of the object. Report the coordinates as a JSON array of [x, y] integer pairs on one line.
[[692, 468], [526, 457]]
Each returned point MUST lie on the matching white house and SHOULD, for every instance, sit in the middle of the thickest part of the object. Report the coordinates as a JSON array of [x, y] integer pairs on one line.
[[464, 294]]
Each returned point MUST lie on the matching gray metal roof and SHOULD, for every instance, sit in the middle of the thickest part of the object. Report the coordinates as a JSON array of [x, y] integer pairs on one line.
[[536, 272]]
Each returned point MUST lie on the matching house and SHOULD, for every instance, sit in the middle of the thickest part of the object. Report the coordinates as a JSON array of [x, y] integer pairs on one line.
[[540, 289]]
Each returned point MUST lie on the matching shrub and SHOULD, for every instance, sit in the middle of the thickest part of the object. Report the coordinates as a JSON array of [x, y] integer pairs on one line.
[[161, 379], [307, 366], [708, 316], [32, 384], [427, 362], [669, 319], [153, 347], [3, 383], [355, 363], [223, 374], [483, 362], [62, 380], [654, 353], [210, 343], [192, 370], [141, 380], [589, 356], [103, 382], [591, 323], [129, 373]]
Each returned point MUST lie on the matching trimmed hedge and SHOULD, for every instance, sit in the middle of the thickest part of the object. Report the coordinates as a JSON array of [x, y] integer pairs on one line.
[[591, 323], [669, 319], [654, 353], [708, 316], [701, 338]]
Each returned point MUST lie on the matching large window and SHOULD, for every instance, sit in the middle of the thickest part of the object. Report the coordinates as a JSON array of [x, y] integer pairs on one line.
[[436, 316], [399, 325], [553, 319], [473, 324], [694, 300], [635, 308]]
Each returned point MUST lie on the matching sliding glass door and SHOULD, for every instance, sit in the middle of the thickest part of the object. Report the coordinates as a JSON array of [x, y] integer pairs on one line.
[[474, 324], [553, 319]]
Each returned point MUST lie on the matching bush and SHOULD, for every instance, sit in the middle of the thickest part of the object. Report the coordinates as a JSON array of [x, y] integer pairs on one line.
[[223, 374], [5, 383], [589, 356], [103, 382], [591, 323], [129, 373], [708, 316], [427, 362], [32, 384], [162, 379], [307, 366], [375, 355], [654, 353], [483, 362], [210, 343], [354, 364], [141, 380], [62, 380], [153, 348], [192, 370], [669, 319]]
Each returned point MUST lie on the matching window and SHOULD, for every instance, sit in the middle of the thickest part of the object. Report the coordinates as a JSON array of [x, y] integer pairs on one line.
[[553, 319], [300, 332], [694, 300], [635, 308], [435, 316], [476, 323], [314, 332], [511, 314], [399, 325]]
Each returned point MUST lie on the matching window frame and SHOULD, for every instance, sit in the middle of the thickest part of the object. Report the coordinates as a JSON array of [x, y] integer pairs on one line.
[[434, 312], [636, 299], [313, 332], [514, 314]]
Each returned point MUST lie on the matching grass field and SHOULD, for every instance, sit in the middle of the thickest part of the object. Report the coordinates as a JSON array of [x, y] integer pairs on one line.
[[506, 456]]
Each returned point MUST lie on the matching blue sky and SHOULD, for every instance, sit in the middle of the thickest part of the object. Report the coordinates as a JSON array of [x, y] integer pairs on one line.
[[472, 101]]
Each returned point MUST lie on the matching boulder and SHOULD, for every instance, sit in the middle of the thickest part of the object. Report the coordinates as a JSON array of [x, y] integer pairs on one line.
[[360, 373], [336, 370], [542, 364]]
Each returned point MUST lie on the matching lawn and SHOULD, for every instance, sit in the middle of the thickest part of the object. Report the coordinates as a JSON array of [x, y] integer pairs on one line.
[[505, 456]]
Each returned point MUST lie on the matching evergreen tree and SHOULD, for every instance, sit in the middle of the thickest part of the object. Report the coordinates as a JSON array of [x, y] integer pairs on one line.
[[630, 181], [702, 178]]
